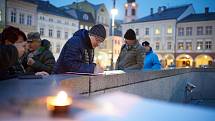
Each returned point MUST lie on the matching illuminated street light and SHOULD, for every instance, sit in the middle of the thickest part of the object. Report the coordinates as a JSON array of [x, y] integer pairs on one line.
[[114, 12]]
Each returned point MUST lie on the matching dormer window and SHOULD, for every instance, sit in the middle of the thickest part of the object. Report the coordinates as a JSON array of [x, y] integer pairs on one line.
[[85, 17]]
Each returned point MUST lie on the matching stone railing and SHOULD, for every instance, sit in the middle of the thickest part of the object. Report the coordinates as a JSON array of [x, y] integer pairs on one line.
[[168, 85]]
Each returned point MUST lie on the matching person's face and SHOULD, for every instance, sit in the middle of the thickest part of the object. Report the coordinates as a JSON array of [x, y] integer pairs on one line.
[[21, 42], [33, 45], [95, 41], [147, 48], [130, 42]]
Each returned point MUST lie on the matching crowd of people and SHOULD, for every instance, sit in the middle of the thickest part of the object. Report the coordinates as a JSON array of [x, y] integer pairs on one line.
[[23, 55]]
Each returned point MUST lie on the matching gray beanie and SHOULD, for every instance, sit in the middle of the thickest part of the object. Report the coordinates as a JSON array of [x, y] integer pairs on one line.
[[98, 30]]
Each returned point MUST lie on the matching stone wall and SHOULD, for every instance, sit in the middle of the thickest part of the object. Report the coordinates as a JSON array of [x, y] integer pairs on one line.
[[168, 85]]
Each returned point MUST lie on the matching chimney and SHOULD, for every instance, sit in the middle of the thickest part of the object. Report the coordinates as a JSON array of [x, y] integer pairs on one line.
[[206, 10], [164, 7], [159, 10], [151, 11]]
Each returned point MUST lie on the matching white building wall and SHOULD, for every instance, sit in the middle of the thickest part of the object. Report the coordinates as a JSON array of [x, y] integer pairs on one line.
[[66, 25], [194, 38], [20, 7]]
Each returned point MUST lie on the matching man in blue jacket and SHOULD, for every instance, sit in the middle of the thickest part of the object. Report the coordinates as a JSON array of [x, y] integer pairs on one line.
[[151, 61], [78, 53]]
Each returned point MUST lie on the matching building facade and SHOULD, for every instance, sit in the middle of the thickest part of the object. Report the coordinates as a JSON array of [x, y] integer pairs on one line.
[[130, 11], [22, 14], [86, 20], [2, 14], [55, 25], [196, 40]]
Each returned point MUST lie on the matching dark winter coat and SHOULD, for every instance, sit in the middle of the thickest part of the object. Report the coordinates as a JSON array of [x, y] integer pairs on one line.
[[77, 54]]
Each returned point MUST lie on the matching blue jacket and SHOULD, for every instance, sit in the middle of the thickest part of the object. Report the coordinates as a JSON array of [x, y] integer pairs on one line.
[[77, 55], [151, 61]]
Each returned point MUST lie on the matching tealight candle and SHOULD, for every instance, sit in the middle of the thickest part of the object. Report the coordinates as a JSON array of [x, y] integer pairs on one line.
[[59, 103]]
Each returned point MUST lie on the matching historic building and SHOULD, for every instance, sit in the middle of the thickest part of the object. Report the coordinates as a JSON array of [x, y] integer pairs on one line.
[[130, 11], [196, 40], [22, 14], [2, 14], [55, 25]]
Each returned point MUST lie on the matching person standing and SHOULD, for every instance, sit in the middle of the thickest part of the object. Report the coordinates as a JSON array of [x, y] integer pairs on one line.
[[132, 53], [78, 53], [151, 61]]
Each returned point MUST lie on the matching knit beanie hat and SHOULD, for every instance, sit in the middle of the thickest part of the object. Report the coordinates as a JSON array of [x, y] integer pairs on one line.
[[98, 30], [130, 35], [145, 43]]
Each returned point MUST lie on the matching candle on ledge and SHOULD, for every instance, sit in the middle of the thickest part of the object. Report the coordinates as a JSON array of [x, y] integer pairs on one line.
[[60, 103]]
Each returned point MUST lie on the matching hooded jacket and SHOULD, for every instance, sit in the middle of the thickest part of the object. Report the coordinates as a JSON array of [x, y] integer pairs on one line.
[[151, 61]]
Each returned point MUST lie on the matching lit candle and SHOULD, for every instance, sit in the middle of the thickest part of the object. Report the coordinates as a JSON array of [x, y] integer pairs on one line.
[[59, 103]]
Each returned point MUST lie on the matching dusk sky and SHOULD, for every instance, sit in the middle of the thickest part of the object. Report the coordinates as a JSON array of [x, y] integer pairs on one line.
[[145, 5]]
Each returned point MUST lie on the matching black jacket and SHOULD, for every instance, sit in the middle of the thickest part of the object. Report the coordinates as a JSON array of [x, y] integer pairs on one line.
[[8, 57]]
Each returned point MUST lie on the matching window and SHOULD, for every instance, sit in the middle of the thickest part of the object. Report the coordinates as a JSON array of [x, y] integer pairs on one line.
[[169, 30], [137, 31], [81, 26], [180, 31], [133, 12], [29, 20], [42, 18], [50, 20], [126, 12], [85, 17], [157, 31], [0, 15], [66, 35], [58, 48], [58, 21], [169, 45], [58, 34], [199, 45], [188, 31], [188, 45], [157, 46], [199, 30], [181, 46], [86, 27], [13, 17], [50, 33], [208, 45], [66, 22], [42, 31], [208, 30], [147, 31], [21, 18]]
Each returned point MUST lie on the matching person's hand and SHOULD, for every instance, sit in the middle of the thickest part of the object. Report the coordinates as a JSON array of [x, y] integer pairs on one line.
[[30, 61], [98, 69], [20, 49], [42, 73]]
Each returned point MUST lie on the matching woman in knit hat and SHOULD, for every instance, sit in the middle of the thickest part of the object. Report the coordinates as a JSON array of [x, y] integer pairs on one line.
[[78, 53], [132, 53]]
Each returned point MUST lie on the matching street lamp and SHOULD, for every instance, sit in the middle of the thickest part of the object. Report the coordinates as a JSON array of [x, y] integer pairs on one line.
[[114, 12]]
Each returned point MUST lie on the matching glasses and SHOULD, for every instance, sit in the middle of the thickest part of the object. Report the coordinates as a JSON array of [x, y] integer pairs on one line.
[[97, 38]]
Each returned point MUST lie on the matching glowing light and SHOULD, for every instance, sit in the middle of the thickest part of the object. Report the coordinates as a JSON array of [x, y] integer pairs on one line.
[[114, 11], [133, 5], [198, 48], [61, 99]]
